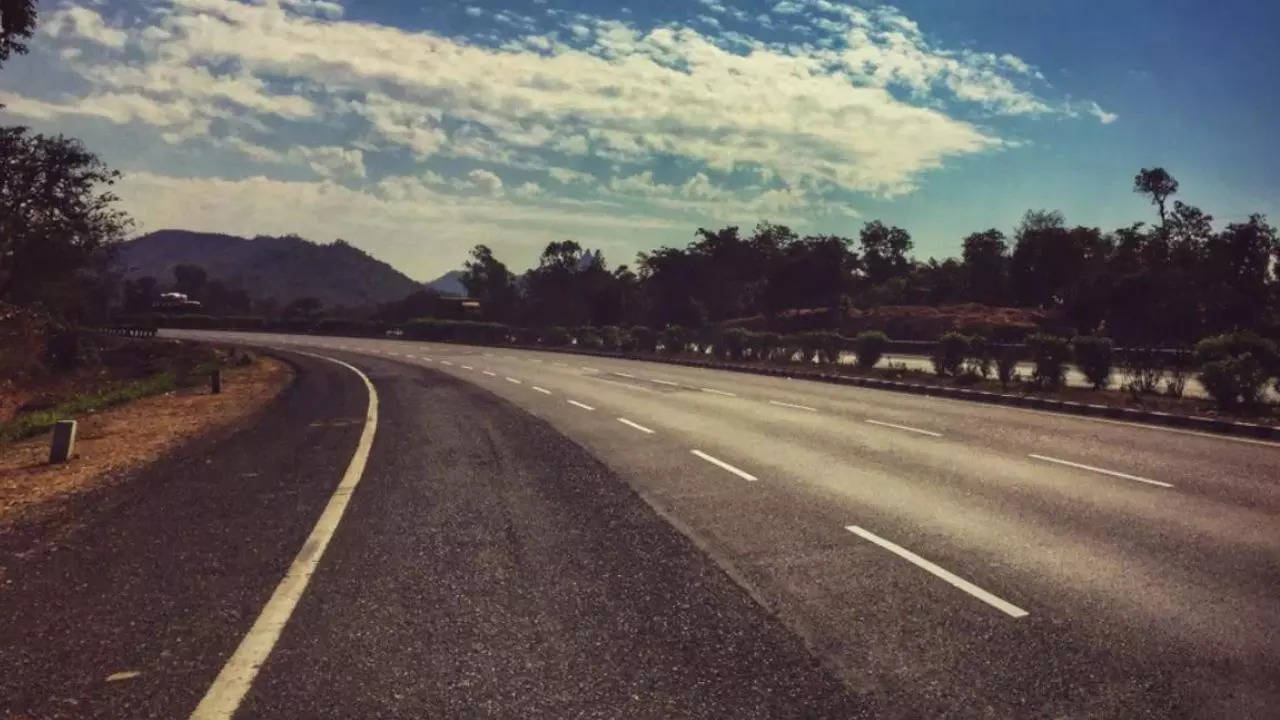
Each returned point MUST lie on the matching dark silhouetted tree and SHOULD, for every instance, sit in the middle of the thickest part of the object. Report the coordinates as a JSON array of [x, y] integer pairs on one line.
[[1158, 184], [884, 251], [57, 219], [986, 267], [489, 281], [17, 21]]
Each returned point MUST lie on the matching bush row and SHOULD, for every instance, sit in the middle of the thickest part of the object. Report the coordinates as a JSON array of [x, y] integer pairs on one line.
[[1234, 368]]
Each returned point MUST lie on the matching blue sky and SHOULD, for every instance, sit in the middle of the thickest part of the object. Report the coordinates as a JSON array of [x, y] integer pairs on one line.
[[418, 130]]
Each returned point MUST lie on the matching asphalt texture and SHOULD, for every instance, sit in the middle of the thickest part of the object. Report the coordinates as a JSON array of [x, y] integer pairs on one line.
[[486, 567], [162, 573], [942, 558]]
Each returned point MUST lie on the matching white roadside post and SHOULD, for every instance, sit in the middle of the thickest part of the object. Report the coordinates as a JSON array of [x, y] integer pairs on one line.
[[64, 441]]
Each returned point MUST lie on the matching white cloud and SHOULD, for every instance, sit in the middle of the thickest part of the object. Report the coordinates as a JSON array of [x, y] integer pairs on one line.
[[84, 23], [485, 181], [1103, 116], [566, 176], [527, 190], [868, 106]]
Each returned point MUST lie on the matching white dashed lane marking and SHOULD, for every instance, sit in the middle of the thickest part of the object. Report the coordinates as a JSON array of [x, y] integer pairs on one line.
[[637, 426], [930, 433], [1006, 607], [722, 464], [779, 403], [1112, 473]]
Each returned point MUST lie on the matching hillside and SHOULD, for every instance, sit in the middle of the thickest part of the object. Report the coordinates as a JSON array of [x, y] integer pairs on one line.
[[448, 284], [284, 268]]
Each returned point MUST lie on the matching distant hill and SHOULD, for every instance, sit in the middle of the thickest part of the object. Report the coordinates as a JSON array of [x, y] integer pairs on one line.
[[284, 268], [449, 284]]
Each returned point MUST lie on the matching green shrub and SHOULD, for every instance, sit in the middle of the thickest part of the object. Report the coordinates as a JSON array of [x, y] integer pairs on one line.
[[588, 339], [826, 344], [1140, 370], [555, 337], [1234, 367], [62, 349], [674, 339], [977, 361], [766, 346], [790, 347], [1050, 354], [807, 346], [1007, 356], [732, 344], [869, 346], [1093, 357], [611, 337], [949, 353], [644, 339], [1178, 368]]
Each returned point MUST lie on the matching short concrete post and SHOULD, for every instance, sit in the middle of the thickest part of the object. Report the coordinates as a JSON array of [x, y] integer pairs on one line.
[[215, 381], [64, 441]]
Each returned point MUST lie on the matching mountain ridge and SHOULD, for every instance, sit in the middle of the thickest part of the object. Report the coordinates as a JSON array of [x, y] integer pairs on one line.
[[285, 268]]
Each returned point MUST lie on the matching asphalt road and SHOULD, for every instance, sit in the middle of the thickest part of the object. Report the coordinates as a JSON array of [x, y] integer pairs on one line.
[[943, 558], [485, 566]]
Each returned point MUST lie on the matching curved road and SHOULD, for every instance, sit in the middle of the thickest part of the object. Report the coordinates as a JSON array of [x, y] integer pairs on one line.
[[942, 558]]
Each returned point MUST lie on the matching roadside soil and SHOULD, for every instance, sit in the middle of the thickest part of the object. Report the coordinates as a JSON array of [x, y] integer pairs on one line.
[[113, 442]]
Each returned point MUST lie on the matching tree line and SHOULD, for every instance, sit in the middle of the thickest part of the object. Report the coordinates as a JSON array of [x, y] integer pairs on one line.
[[1166, 283]]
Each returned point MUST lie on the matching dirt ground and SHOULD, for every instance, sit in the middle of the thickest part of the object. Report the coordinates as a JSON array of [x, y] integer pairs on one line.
[[112, 442]]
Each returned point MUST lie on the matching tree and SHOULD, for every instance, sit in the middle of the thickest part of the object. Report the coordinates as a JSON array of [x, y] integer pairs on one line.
[[884, 251], [56, 219], [1157, 183], [17, 21], [986, 266], [1235, 274], [190, 280], [490, 282], [141, 294]]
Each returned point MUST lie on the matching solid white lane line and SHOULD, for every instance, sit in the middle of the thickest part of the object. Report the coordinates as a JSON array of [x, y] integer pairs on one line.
[[637, 426], [930, 433], [791, 405], [467, 367], [1004, 606], [718, 392], [581, 405], [664, 382], [490, 374], [1091, 468], [722, 464], [544, 391], [513, 380], [235, 678]]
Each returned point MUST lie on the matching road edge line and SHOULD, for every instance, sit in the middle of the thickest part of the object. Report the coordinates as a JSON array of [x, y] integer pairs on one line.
[[233, 682]]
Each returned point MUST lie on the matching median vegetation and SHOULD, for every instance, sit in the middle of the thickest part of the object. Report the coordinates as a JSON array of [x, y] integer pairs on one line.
[[1235, 369]]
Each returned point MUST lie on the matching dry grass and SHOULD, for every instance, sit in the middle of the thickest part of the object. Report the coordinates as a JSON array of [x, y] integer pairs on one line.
[[115, 441]]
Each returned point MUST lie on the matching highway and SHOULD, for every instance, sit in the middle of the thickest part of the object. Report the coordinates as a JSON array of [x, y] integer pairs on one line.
[[934, 551], [940, 558]]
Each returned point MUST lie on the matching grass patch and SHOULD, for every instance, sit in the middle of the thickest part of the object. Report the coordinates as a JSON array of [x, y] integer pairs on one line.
[[34, 423]]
